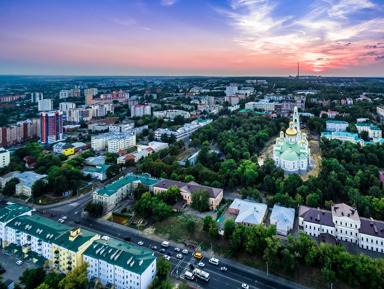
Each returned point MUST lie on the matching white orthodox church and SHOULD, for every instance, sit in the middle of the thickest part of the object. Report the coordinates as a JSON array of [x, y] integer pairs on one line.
[[291, 151]]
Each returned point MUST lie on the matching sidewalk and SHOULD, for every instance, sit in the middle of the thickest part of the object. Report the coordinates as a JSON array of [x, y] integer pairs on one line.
[[159, 238]]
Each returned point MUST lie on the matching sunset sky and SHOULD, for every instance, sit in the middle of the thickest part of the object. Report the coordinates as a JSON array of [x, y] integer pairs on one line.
[[192, 37]]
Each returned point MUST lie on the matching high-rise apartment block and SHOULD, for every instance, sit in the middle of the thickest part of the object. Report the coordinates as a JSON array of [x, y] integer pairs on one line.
[[4, 157], [88, 98], [36, 96], [93, 91], [45, 105], [65, 106], [86, 114], [74, 92], [114, 141], [19, 132], [140, 110], [51, 127]]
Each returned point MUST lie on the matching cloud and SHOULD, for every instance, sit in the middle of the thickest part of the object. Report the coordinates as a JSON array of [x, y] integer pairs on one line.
[[168, 2], [377, 58], [321, 34], [130, 22]]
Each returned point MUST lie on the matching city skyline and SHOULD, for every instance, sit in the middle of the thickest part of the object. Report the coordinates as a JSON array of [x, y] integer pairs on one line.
[[199, 38]]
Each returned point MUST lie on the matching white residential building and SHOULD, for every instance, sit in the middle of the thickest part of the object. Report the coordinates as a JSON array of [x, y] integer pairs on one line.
[[64, 94], [140, 110], [344, 224], [283, 218], [113, 141], [154, 145], [248, 212], [231, 90], [4, 157], [45, 105], [184, 131], [336, 125], [27, 180], [122, 127], [93, 91], [118, 263], [373, 130], [171, 114], [64, 106], [36, 96]]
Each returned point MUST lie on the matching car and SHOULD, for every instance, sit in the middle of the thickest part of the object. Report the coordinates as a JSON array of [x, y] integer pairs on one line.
[[162, 250], [127, 239], [140, 243], [198, 255], [106, 238], [2, 270], [166, 257], [214, 261], [44, 212], [185, 251], [154, 248], [64, 217], [19, 263], [177, 249], [170, 253], [77, 221], [245, 286], [53, 215], [224, 269], [201, 264], [165, 244], [60, 221], [191, 266], [179, 256]]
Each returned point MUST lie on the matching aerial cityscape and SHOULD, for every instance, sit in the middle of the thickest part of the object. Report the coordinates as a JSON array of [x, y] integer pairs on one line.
[[191, 144]]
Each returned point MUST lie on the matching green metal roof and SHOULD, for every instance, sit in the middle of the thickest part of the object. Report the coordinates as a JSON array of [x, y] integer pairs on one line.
[[112, 188], [363, 124], [289, 155], [63, 240], [39, 227], [98, 169], [10, 212], [337, 121], [253, 111], [373, 127], [132, 258]]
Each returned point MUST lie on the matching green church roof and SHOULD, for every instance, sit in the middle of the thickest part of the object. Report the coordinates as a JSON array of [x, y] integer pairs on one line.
[[289, 155]]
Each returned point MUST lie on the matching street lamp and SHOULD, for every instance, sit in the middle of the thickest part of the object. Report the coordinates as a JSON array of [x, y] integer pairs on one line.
[[267, 269]]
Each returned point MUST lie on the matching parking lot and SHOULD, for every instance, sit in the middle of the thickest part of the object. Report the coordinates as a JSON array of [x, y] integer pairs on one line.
[[13, 271]]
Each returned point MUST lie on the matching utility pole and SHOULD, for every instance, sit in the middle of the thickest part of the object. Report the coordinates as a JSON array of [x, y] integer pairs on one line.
[[267, 269]]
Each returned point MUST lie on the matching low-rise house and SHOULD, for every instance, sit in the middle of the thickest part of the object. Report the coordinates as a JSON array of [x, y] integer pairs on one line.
[[336, 125], [27, 179], [248, 212], [94, 161], [373, 130], [7, 177], [64, 148], [99, 172], [283, 218], [110, 195], [154, 145], [121, 264], [187, 189]]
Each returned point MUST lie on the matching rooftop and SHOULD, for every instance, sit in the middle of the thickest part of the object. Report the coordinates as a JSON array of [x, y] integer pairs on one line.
[[343, 210], [316, 216], [285, 217], [249, 211], [29, 178], [337, 122], [10, 212], [132, 258]]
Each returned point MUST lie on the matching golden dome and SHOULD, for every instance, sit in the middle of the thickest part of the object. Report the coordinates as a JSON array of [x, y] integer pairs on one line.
[[291, 122], [291, 132], [278, 139], [304, 133], [281, 132], [302, 141]]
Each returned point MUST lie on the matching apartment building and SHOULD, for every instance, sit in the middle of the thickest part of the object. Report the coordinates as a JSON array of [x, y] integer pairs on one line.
[[114, 141], [344, 224], [9, 98], [45, 105], [27, 180], [4, 157], [95, 111], [171, 113], [373, 130], [36, 96], [112, 194], [187, 189], [65, 106], [51, 129], [125, 266], [122, 127], [74, 92], [336, 125], [20, 132], [139, 110], [93, 91], [183, 132]]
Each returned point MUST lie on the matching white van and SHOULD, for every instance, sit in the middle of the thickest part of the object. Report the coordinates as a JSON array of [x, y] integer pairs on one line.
[[189, 275], [165, 244], [214, 261]]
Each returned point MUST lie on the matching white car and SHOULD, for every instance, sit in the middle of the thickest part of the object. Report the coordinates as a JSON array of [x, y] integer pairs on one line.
[[60, 221], [64, 217], [245, 286], [179, 256], [106, 238], [224, 269], [201, 264], [177, 249], [185, 251], [166, 257], [140, 243], [19, 263]]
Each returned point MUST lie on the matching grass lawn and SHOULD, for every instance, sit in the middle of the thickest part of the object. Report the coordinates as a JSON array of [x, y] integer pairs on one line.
[[185, 154]]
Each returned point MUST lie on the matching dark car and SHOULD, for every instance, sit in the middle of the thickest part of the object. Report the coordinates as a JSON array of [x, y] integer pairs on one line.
[[127, 239], [77, 221], [154, 248], [191, 266], [162, 250], [169, 253], [2, 270], [53, 215], [44, 212]]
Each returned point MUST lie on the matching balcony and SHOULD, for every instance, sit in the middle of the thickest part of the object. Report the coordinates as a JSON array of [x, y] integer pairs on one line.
[[69, 268]]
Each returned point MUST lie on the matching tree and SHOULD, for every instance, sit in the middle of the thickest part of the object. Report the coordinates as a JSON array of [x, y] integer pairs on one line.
[[191, 227], [53, 279], [207, 223], [112, 171], [213, 230], [32, 278], [271, 252], [189, 178], [60, 185], [229, 227], [200, 200], [94, 209], [139, 191], [77, 279], [44, 286], [10, 187], [2, 285], [163, 267], [129, 163], [39, 188], [288, 261], [364, 135]]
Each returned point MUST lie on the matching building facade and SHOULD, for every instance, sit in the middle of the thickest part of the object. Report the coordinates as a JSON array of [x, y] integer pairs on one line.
[[4, 157], [113, 141], [139, 110], [291, 151], [373, 130], [65, 106], [20, 132], [336, 125], [45, 105], [51, 127]]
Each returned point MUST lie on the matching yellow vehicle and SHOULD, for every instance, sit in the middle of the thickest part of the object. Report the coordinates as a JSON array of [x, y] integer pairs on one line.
[[198, 255]]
